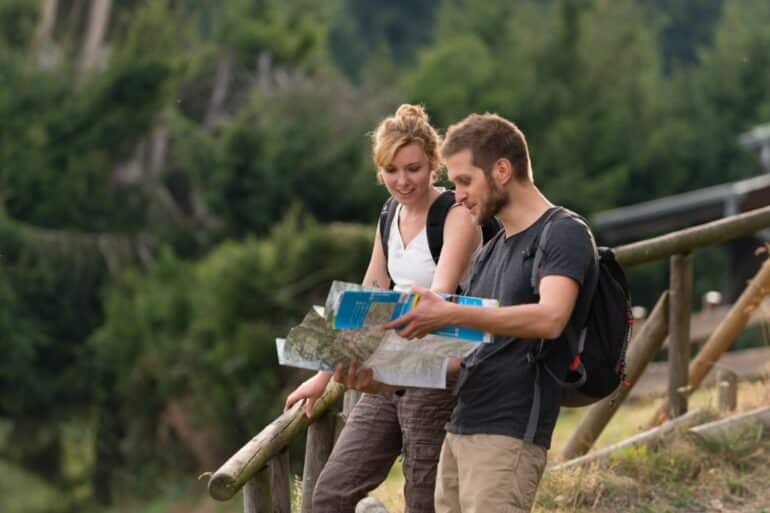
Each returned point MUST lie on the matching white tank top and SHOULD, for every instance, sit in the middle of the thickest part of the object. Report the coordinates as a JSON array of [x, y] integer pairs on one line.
[[413, 264]]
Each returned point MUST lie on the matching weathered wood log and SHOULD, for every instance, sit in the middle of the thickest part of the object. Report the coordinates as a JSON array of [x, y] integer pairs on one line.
[[650, 437], [320, 440], [725, 334], [686, 240], [257, 493], [680, 289], [350, 400], [643, 348], [727, 391], [726, 428], [253, 456], [281, 482]]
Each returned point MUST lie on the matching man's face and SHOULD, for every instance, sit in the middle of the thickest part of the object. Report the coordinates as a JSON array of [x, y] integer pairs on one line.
[[474, 188]]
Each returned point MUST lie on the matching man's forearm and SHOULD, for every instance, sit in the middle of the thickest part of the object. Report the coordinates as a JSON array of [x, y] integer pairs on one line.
[[524, 321]]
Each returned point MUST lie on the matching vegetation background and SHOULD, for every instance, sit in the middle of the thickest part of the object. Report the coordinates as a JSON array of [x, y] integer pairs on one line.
[[181, 179]]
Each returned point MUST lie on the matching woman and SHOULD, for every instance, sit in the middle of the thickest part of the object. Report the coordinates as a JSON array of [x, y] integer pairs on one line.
[[381, 426]]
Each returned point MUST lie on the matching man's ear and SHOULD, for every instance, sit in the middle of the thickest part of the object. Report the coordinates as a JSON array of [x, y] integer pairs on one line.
[[502, 171]]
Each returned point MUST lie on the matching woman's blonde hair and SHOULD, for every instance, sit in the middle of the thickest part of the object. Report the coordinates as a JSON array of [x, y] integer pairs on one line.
[[409, 124]]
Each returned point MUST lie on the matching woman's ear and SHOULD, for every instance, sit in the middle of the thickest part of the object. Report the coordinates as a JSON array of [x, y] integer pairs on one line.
[[435, 164]]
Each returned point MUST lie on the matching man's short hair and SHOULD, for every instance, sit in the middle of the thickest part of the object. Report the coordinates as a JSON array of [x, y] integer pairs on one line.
[[489, 137]]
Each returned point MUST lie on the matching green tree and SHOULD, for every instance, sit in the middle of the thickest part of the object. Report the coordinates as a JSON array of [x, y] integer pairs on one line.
[[199, 338], [365, 29]]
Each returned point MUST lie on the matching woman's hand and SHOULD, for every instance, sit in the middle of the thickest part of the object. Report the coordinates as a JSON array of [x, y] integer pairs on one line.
[[361, 379], [311, 390]]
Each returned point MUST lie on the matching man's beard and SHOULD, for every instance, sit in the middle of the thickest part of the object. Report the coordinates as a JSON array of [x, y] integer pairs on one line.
[[496, 200]]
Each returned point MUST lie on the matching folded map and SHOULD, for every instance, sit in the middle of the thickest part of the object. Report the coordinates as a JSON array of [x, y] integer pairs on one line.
[[356, 309], [315, 344]]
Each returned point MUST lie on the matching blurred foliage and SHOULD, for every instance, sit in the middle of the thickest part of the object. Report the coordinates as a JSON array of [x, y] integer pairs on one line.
[[388, 32], [165, 216], [203, 334]]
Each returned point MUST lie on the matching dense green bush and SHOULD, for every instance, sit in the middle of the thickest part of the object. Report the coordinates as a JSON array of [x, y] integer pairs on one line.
[[203, 334]]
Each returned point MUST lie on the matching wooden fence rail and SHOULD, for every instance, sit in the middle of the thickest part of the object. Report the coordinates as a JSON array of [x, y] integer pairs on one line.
[[252, 457], [689, 239], [261, 466]]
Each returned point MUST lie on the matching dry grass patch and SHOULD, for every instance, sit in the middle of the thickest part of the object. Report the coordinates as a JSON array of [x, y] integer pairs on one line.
[[687, 474]]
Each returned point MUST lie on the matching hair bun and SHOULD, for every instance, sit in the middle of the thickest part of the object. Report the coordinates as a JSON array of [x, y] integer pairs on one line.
[[408, 110]]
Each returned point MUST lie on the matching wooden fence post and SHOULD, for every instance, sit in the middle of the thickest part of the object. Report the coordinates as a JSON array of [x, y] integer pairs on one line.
[[320, 440], [680, 288], [257, 493], [725, 334], [281, 482], [727, 391]]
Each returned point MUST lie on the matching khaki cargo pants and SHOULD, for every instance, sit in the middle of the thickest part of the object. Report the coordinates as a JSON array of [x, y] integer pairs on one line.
[[488, 473], [380, 428]]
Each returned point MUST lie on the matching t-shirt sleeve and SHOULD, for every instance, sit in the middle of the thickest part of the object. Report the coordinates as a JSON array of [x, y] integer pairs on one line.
[[569, 251]]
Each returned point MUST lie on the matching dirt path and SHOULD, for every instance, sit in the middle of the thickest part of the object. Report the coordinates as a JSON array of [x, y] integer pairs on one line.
[[747, 364]]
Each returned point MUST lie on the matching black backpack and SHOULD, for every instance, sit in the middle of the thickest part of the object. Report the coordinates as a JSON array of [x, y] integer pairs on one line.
[[434, 225], [599, 349]]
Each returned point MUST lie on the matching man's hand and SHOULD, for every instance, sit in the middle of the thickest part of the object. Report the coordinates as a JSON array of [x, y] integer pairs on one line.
[[310, 390], [431, 313], [360, 379]]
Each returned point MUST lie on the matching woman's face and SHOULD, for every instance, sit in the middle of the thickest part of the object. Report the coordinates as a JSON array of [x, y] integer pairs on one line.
[[408, 176]]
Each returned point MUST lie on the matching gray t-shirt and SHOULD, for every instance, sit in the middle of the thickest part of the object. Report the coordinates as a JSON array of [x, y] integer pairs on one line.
[[496, 394]]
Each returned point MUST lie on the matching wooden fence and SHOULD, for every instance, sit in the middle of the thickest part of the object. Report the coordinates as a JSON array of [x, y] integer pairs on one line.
[[261, 467]]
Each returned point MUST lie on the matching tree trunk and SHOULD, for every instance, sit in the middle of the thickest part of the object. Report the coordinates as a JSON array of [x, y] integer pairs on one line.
[[222, 83], [97, 29], [42, 41]]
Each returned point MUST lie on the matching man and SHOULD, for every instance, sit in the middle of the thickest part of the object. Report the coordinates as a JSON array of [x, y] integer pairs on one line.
[[494, 452]]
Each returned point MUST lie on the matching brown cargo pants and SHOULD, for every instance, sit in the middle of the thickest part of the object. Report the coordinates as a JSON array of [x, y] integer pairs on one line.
[[381, 427]]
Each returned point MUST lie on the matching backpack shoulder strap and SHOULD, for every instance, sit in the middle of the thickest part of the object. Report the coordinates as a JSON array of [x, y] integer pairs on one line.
[[387, 214], [434, 225], [541, 239]]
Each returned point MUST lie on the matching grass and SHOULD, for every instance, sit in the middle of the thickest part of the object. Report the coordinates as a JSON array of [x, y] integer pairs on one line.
[[630, 419], [22, 492], [683, 476]]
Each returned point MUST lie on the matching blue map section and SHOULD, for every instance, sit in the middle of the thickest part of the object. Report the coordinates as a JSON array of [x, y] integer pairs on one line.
[[355, 306]]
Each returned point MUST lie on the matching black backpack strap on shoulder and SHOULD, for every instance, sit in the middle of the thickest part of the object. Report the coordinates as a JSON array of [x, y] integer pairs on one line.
[[539, 248], [434, 226], [536, 358], [387, 214]]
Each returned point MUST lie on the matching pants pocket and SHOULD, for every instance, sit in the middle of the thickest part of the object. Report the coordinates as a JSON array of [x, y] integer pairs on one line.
[[527, 476]]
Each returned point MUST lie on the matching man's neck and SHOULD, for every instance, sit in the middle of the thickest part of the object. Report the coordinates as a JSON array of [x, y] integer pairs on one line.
[[527, 204]]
